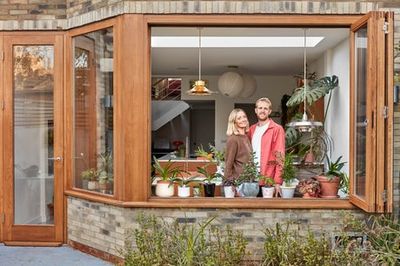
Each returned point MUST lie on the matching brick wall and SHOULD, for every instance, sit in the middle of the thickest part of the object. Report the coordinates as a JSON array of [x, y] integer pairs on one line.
[[32, 9], [104, 227]]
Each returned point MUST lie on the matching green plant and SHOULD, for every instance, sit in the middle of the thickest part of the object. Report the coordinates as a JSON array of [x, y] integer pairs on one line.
[[286, 245], [214, 155], [166, 173], [183, 182], [156, 242], [209, 177], [344, 183], [334, 168], [90, 174], [288, 170], [268, 181], [250, 172]]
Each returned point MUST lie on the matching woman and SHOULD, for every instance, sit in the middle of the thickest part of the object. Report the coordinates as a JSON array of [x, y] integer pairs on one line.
[[238, 146]]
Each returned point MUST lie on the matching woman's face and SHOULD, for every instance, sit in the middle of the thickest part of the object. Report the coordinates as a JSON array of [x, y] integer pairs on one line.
[[241, 120]]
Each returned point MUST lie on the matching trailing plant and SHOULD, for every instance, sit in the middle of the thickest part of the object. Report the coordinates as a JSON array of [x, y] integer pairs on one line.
[[156, 242]]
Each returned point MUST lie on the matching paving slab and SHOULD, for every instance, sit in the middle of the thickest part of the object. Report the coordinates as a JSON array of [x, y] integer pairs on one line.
[[47, 256]]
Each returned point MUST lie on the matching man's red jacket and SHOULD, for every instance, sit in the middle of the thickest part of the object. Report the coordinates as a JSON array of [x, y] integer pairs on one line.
[[272, 146]]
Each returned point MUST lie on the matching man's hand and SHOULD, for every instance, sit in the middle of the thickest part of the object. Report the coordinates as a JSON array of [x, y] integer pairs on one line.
[[277, 190]]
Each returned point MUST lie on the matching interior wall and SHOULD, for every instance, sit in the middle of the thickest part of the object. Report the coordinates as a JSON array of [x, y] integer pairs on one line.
[[336, 61], [273, 87]]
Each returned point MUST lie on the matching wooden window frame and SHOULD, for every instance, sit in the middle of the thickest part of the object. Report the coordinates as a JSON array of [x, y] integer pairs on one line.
[[68, 117], [132, 136]]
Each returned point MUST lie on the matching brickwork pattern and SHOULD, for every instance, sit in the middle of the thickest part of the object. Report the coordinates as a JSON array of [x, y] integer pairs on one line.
[[33, 9], [105, 227]]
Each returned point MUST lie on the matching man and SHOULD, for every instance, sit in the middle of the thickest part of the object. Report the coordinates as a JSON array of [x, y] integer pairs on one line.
[[268, 141]]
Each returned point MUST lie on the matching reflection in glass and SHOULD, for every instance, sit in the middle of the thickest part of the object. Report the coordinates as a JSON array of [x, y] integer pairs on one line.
[[361, 107], [33, 70], [93, 111]]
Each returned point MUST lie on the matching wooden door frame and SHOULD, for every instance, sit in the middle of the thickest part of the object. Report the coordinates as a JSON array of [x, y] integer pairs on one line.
[[56, 234]]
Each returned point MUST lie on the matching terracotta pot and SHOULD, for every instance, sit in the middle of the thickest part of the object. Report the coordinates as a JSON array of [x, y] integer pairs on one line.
[[329, 187], [308, 195], [164, 189], [309, 158]]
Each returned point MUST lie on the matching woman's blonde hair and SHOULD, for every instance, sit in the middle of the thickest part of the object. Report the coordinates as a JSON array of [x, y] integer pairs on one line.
[[232, 129]]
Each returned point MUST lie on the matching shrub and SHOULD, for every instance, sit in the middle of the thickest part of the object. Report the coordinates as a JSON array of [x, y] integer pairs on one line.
[[157, 242]]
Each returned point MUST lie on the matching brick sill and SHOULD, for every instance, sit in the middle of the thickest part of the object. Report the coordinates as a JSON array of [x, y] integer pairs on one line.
[[220, 202]]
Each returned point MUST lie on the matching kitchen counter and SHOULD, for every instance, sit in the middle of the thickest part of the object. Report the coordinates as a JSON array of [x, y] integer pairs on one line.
[[173, 158]]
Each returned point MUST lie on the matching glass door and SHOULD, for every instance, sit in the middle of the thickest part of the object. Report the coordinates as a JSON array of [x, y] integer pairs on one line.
[[368, 70], [33, 139]]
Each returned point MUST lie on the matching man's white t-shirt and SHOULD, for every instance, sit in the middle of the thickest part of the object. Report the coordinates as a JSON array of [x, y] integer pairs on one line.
[[256, 142]]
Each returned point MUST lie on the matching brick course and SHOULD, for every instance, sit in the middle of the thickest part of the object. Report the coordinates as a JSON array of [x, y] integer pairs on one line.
[[91, 224]]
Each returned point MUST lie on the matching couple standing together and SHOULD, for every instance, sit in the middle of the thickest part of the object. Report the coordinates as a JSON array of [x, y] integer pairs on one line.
[[265, 138]]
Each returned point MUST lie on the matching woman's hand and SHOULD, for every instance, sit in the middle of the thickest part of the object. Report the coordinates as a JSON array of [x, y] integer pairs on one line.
[[277, 192]]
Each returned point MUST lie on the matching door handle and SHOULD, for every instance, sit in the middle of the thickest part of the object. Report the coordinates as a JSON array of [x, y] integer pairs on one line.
[[58, 159]]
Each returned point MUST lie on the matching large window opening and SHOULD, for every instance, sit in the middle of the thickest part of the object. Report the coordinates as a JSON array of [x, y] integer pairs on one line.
[[272, 59]]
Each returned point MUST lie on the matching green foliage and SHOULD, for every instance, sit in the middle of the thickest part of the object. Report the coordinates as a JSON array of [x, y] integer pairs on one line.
[[268, 181], [314, 92], [285, 245], [168, 172], [156, 242], [334, 168], [344, 183], [106, 170], [289, 172], [214, 155], [250, 171], [186, 181], [90, 174], [383, 237], [209, 177]]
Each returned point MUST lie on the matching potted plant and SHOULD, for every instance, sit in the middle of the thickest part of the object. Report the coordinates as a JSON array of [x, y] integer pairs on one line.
[[248, 179], [310, 188], [106, 177], [167, 175], [90, 175], [214, 155], [344, 185], [208, 185], [330, 179], [229, 188], [288, 175], [268, 188], [183, 185]]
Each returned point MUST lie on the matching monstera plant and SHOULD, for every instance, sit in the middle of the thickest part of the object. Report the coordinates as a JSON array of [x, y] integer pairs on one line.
[[317, 142]]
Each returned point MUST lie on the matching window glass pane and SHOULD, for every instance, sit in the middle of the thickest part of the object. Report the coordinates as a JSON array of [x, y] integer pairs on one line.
[[361, 107], [93, 111], [33, 134]]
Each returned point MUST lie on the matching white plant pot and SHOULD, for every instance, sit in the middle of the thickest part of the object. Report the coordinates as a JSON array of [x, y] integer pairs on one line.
[[183, 192], [92, 185], [229, 191], [288, 192], [268, 192], [164, 189]]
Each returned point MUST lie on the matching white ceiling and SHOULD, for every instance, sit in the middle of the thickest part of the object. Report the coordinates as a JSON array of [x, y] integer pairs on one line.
[[257, 61]]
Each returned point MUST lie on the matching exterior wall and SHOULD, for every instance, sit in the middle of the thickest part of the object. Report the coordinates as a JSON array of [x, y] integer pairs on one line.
[[104, 227]]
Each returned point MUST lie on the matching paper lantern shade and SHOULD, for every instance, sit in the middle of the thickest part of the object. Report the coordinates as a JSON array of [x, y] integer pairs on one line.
[[230, 84], [249, 86]]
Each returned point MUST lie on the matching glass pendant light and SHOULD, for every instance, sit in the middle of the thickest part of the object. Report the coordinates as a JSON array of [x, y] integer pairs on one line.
[[199, 87], [305, 125]]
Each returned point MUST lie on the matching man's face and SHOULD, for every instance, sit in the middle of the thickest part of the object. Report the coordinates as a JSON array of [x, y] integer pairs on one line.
[[262, 111]]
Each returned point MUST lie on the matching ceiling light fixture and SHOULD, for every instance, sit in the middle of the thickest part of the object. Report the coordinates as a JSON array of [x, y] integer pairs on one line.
[[305, 125], [199, 87]]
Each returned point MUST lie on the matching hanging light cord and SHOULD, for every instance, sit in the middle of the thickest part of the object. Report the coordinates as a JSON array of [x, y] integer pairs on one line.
[[305, 75], [199, 53]]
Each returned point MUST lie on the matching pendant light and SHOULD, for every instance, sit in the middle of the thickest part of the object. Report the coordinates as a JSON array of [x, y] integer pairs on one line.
[[199, 87], [305, 125]]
